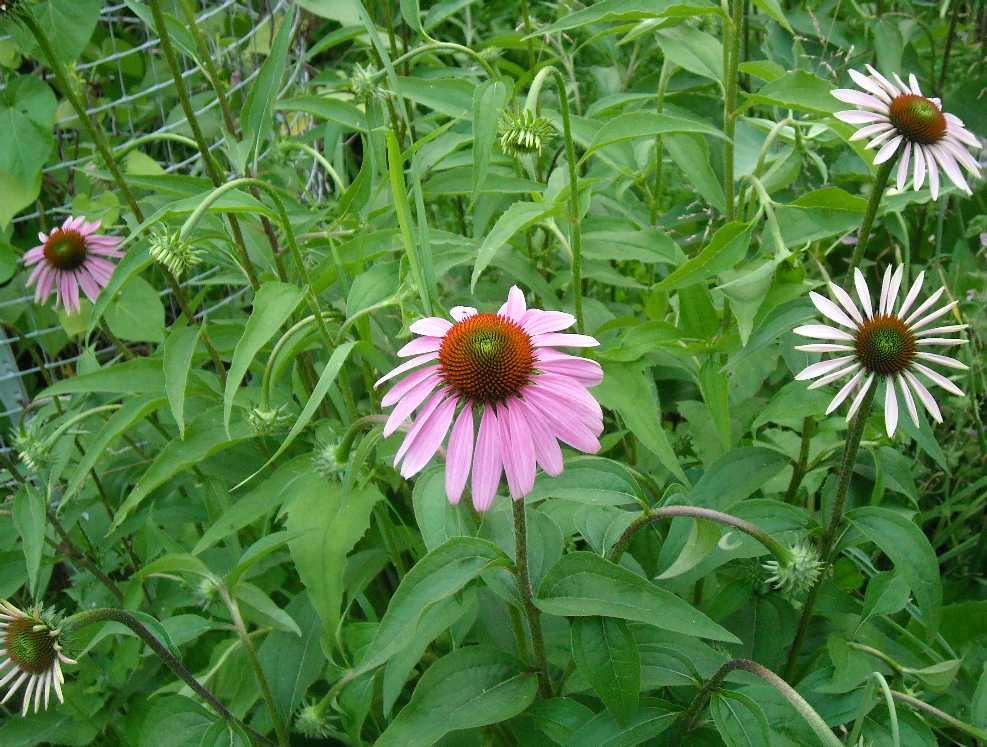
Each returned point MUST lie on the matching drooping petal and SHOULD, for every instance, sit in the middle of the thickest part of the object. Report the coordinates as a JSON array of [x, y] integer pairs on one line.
[[864, 388], [930, 163], [421, 345], [844, 392], [945, 159], [460, 454], [943, 360], [890, 408], [406, 366], [903, 167], [408, 383], [830, 377], [547, 451], [418, 425], [938, 379], [429, 438], [584, 370], [821, 368], [409, 402], [487, 462], [888, 149], [923, 394], [919, 154], [909, 402], [519, 452]]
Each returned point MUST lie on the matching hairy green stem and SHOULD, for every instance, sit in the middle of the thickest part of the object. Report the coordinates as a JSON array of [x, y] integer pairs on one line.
[[524, 586], [973, 731], [664, 76], [828, 541], [873, 203], [731, 59], [781, 553], [798, 471], [806, 711], [86, 618]]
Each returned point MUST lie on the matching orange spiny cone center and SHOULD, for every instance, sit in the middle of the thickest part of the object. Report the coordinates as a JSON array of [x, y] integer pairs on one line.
[[917, 118], [65, 250], [486, 357], [885, 345]]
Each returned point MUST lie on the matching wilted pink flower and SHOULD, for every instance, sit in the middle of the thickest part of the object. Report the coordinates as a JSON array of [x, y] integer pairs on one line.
[[530, 396], [72, 257]]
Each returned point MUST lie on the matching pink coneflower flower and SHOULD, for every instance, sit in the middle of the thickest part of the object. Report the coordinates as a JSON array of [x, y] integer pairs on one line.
[[529, 397], [898, 116], [72, 257], [32, 651], [881, 344]]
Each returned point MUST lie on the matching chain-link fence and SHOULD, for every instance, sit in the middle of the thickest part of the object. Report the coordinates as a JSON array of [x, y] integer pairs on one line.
[[242, 26]]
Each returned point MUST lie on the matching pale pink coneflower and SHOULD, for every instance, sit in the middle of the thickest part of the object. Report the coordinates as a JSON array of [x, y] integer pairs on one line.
[[898, 117], [71, 257], [880, 343], [528, 396]]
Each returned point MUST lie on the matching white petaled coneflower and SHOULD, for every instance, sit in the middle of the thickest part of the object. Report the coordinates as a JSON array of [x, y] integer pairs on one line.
[[881, 343], [173, 252], [897, 116], [522, 132], [799, 574], [32, 656]]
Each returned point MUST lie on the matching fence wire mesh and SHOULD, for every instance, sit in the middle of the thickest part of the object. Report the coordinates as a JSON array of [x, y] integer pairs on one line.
[[127, 44]]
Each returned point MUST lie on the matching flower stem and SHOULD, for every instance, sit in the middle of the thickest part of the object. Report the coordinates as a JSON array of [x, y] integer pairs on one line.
[[108, 614], [524, 585], [877, 192], [973, 731], [781, 553], [186, 103], [265, 688], [731, 59], [806, 711], [663, 78], [808, 429], [828, 540]]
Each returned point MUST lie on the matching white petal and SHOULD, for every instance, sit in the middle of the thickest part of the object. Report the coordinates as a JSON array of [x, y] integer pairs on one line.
[[833, 376], [885, 83], [890, 408], [857, 116], [943, 360], [903, 167], [955, 128], [909, 402], [961, 154], [922, 307], [923, 394], [934, 315], [942, 330], [893, 289], [844, 391], [31, 684], [949, 165], [881, 138], [911, 295], [946, 342], [888, 149], [860, 397], [869, 85], [914, 84], [937, 378], [885, 285], [930, 162], [846, 302], [461, 312], [905, 88], [863, 292], [919, 167], [829, 309], [826, 347], [822, 332], [859, 98], [870, 130], [822, 367], [57, 682]]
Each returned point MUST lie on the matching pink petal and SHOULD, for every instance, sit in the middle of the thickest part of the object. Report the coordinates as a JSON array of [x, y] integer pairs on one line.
[[416, 428], [538, 322], [564, 341], [515, 306], [547, 450], [407, 366], [585, 371], [421, 345], [486, 461], [460, 454], [569, 430], [433, 326], [461, 312], [578, 398], [33, 255], [407, 405], [519, 452], [89, 286], [407, 384], [949, 165], [430, 438], [46, 282]]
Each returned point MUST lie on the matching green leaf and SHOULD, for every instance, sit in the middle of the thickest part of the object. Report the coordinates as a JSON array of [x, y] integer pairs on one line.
[[635, 125], [909, 549], [488, 101], [727, 247], [174, 721], [330, 109], [272, 307], [412, 14], [120, 422], [412, 250], [204, 438], [138, 376], [818, 215], [739, 720], [325, 526], [691, 154], [798, 90], [887, 593], [27, 115], [437, 519], [261, 605], [179, 348], [627, 10], [466, 689], [175, 563], [440, 574], [518, 217], [259, 550], [326, 380], [693, 50], [258, 111], [978, 704], [773, 9], [69, 24], [606, 655], [736, 475], [583, 583], [28, 513], [652, 718], [629, 390], [136, 313], [703, 539], [290, 662], [715, 390]]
